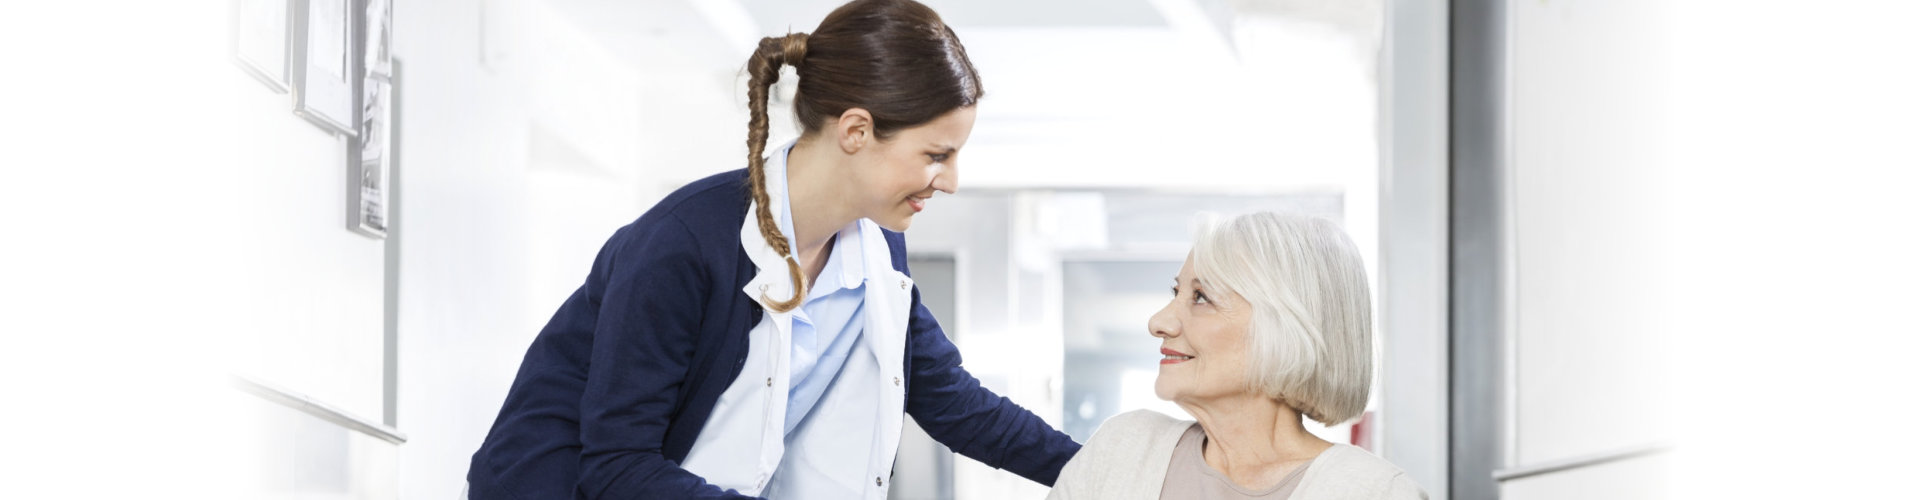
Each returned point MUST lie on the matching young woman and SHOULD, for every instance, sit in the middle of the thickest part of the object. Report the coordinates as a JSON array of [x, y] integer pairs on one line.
[[756, 333]]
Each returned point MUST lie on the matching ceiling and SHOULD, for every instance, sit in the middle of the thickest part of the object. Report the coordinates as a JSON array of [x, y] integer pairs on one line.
[[803, 15], [1081, 82], [681, 33]]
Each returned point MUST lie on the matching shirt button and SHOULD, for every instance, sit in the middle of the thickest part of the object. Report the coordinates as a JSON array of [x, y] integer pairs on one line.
[[896, 381], [903, 284], [769, 381], [876, 480]]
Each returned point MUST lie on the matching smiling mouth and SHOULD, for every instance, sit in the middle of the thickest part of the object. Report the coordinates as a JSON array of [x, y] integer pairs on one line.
[[1169, 356], [918, 204]]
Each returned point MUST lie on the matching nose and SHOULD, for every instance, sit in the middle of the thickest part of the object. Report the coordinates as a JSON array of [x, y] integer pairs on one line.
[[1164, 324], [948, 180]]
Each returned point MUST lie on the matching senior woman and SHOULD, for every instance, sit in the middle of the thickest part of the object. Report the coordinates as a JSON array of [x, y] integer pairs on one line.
[[1269, 323]]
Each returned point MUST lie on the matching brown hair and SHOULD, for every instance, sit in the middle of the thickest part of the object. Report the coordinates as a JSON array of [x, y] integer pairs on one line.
[[894, 58]]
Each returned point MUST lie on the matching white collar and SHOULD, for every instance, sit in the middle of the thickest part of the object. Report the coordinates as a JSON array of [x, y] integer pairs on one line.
[[847, 248]]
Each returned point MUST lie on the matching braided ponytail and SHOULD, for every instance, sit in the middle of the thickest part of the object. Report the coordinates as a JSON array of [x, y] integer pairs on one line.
[[763, 70], [893, 58]]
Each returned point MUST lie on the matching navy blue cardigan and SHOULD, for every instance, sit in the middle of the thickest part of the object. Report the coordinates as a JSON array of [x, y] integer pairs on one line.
[[615, 389]]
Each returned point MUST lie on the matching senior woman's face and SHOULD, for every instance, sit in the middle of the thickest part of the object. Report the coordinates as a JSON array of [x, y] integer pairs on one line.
[[1203, 341]]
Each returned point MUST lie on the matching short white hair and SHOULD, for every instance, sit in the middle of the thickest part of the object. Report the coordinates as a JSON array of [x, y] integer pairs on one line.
[[1311, 335]]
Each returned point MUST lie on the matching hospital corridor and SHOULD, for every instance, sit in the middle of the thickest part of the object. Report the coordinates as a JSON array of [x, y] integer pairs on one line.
[[453, 249]]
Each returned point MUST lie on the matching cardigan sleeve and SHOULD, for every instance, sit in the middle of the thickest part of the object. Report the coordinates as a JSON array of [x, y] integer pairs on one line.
[[643, 338], [955, 410]]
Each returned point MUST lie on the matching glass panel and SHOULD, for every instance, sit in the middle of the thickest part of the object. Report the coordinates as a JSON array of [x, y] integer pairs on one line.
[[1155, 220], [1111, 361], [923, 470], [935, 276]]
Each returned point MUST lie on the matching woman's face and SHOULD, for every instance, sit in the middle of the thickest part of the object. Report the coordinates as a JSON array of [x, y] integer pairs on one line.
[[1203, 339], [895, 178]]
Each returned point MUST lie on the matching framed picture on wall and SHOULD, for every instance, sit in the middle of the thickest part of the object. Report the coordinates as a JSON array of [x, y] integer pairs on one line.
[[371, 166], [326, 72], [379, 28], [260, 41]]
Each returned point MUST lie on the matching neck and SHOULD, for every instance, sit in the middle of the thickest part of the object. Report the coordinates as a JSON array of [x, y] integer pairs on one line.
[[1254, 440], [814, 174]]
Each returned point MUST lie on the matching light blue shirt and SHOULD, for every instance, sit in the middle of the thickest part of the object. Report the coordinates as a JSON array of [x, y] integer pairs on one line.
[[826, 325]]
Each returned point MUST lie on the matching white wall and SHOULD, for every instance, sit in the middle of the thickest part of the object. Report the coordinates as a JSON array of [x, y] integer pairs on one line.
[[1800, 237], [1413, 267], [116, 268], [513, 172], [315, 324], [1644, 477], [1586, 357], [313, 321]]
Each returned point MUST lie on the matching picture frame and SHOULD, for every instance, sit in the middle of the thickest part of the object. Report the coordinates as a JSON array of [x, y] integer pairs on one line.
[[372, 167], [370, 164], [379, 45], [327, 72], [259, 41]]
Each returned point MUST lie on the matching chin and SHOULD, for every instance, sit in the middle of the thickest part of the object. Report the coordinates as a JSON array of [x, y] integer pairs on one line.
[[1162, 391], [898, 225]]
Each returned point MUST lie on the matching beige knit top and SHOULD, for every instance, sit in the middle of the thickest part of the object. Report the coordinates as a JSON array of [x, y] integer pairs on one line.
[[1128, 458]]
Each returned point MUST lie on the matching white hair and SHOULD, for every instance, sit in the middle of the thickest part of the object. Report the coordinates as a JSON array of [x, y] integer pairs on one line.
[[1311, 334]]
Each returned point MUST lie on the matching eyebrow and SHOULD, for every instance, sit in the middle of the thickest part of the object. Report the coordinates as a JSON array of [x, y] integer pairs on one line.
[[944, 149]]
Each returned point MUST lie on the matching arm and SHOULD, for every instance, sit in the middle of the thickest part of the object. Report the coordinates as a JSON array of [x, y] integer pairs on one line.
[[953, 408], [643, 339]]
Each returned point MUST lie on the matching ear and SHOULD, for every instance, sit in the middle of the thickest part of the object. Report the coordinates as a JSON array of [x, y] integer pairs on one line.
[[854, 130]]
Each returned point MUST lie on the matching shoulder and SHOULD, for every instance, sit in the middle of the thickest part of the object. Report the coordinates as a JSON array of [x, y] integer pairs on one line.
[[896, 247], [707, 209], [1139, 421], [1136, 433], [1126, 457], [708, 203], [1357, 463], [1347, 471]]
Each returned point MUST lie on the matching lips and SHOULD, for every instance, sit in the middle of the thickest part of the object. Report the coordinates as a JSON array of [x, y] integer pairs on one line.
[[917, 204], [1170, 356]]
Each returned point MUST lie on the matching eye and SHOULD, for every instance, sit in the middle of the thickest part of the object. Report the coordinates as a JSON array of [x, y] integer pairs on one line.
[[938, 157], [1200, 297]]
